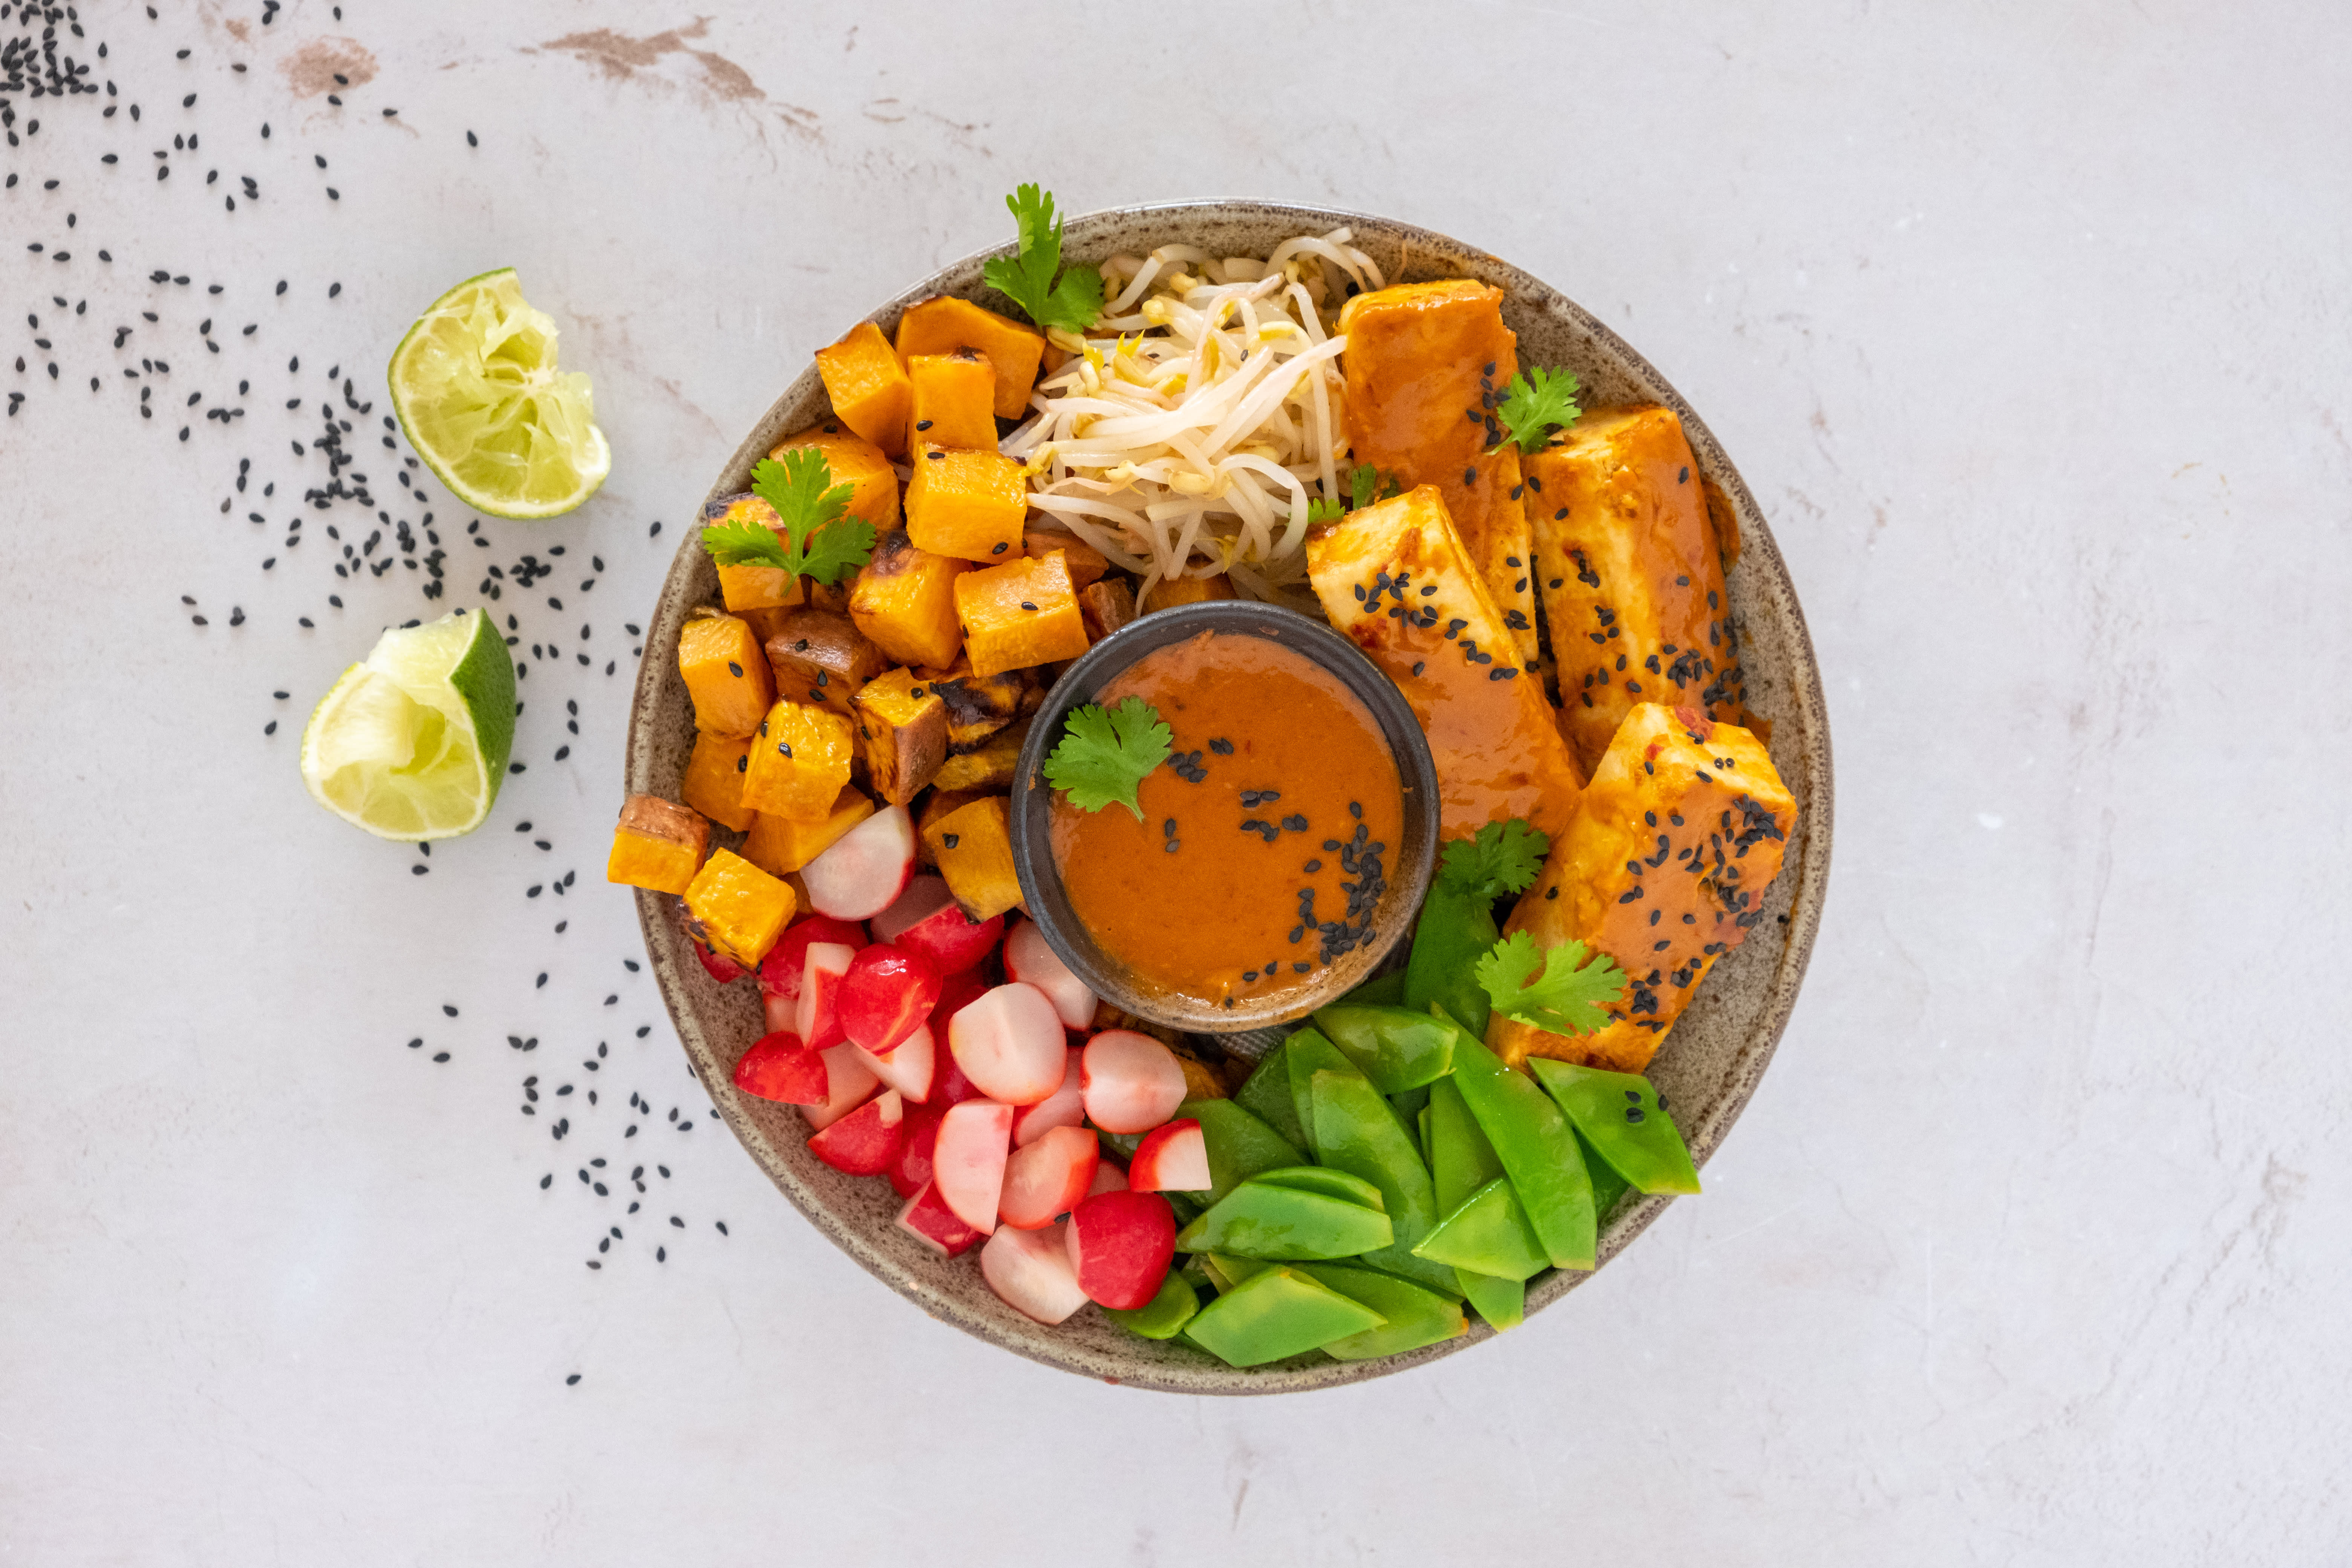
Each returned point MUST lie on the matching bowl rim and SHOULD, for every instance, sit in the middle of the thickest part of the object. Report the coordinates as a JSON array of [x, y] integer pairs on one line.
[[1033, 803], [1421, 248]]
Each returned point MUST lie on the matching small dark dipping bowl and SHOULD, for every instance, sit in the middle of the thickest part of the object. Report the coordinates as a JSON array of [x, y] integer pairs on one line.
[[1032, 810]]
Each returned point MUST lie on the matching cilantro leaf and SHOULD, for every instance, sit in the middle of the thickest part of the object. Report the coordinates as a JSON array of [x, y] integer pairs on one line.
[[1074, 303], [1503, 858], [819, 540], [1368, 486], [1323, 508], [1537, 403], [1568, 997], [1105, 753], [743, 544]]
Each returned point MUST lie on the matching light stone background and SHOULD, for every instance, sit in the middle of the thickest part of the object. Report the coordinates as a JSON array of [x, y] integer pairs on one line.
[[2027, 323]]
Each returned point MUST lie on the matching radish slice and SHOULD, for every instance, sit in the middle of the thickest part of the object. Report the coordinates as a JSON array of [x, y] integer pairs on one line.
[[1173, 1158], [1048, 1178], [1031, 959], [867, 1140], [1063, 1107], [1108, 1178], [779, 1067], [924, 896], [1030, 1272], [1131, 1082], [910, 1069], [849, 1082], [927, 920], [911, 1173], [1010, 1043], [865, 869], [935, 1225], [1121, 1245], [818, 1019], [781, 1013], [968, 1160], [779, 972], [885, 995]]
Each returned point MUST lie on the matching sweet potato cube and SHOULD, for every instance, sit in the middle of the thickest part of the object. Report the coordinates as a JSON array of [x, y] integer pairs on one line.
[[781, 846], [1171, 592], [800, 761], [991, 766], [750, 587], [726, 674], [966, 503], [658, 845], [904, 601], [1020, 614], [932, 326], [954, 401], [714, 778], [904, 725], [853, 461], [938, 803], [821, 657], [1106, 607], [735, 910], [868, 388], [974, 846], [981, 705], [1085, 562]]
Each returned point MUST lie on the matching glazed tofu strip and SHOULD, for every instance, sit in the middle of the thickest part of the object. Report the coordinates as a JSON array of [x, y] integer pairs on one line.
[[1663, 868], [1396, 578], [1633, 578], [1426, 364]]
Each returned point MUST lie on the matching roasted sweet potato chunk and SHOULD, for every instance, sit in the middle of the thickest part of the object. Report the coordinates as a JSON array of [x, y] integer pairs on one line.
[[800, 761], [940, 323], [980, 705], [969, 504], [1020, 614], [746, 588], [658, 845], [1106, 607], [726, 674], [1087, 563], [989, 766], [821, 657], [735, 910], [904, 601], [1171, 592], [904, 726], [856, 462], [867, 383], [974, 846], [954, 401], [935, 805], [714, 778], [781, 846]]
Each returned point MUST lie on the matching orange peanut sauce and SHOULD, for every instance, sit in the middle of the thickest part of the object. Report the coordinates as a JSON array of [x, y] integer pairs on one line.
[[1266, 838]]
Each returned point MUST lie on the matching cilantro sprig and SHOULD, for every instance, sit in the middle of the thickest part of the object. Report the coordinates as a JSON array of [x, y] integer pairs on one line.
[[1503, 858], [1365, 486], [1557, 992], [817, 539], [1073, 302], [1106, 753], [1537, 403]]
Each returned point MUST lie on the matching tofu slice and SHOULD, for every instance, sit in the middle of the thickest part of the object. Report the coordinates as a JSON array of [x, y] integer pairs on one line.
[[1631, 575], [1426, 365], [1663, 868], [1396, 580]]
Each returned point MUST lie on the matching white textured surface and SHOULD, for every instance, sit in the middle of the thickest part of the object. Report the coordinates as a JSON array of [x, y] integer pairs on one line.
[[2027, 326]]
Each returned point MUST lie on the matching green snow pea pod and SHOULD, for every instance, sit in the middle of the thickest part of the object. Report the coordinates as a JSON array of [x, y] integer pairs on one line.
[[1277, 1314], [1538, 1149], [1408, 1106], [1266, 1096], [1263, 1219], [1240, 1145], [1322, 1179], [1359, 1133], [1618, 1113], [1227, 1271], [1416, 1317], [1461, 1161], [1306, 1054], [1454, 932], [1502, 1302], [1388, 991], [1608, 1183], [1396, 1049], [1489, 1234], [1161, 1317]]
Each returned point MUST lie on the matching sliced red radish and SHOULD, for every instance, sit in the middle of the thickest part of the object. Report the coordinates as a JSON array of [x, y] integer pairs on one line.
[[927, 920], [778, 1067], [912, 1173], [1048, 1178], [1031, 959], [865, 1142], [1173, 1158], [928, 1215], [957, 991], [848, 1084], [885, 995], [779, 972], [1121, 1245], [865, 869], [781, 1013], [1063, 1107], [968, 1159], [1132, 1083], [817, 1017], [911, 1069], [1010, 1043], [948, 1085], [1030, 1272], [1108, 1178]]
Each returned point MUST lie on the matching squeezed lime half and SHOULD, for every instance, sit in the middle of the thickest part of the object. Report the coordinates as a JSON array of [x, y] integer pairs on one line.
[[412, 742]]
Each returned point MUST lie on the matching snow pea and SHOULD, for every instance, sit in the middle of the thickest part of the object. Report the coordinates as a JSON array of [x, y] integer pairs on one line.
[[1161, 1317], [1225, 1270], [1331, 1183], [1358, 1133], [1410, 1104], [1309, 1053], [1277, 1314], [1453, 932], [1608, 1183], [1416, 1317], [1619, 1114], [1489, 1234], [1397, 1048], [1538, 1149], [1461, 1161], [1387, 991], [1266, 1096], [1502, 1302], [1240, 1145], [1266, 1219]]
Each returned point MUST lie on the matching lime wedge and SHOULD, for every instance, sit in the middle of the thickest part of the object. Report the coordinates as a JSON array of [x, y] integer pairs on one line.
[[478, 396], [413, 743]]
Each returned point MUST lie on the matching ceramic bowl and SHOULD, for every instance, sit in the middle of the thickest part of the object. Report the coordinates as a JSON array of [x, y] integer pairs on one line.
[[1711, 1063]]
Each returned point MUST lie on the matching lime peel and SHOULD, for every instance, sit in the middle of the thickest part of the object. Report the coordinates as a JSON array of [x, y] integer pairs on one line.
[[412, 742]]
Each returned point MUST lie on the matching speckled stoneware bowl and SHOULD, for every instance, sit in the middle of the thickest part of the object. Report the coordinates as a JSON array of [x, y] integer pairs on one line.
[[1711, 1061]]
